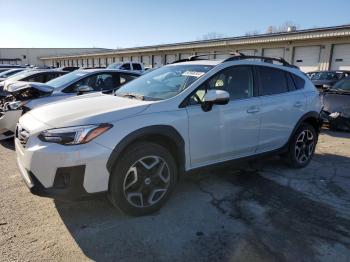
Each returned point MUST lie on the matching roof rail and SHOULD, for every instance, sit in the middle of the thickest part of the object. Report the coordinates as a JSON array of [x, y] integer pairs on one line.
[[234, 56], [240, 56], [198, 57]]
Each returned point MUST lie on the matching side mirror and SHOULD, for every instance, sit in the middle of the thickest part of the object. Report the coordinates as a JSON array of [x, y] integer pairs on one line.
[[215, 97], [84, 89]]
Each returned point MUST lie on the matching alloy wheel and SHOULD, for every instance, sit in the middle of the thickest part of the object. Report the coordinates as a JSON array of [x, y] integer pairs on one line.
[[146, 181], [304, 146]]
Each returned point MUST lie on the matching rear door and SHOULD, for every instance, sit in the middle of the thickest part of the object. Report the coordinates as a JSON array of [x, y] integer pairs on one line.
[[282, 105], [227, 131]]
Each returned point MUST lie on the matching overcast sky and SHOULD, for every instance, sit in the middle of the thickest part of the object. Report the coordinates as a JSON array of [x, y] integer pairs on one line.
[[111, 24]]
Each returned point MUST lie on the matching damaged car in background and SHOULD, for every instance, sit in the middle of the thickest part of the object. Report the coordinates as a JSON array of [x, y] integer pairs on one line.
[[30, 75], [23, 96], [336, 106], [324, 80]]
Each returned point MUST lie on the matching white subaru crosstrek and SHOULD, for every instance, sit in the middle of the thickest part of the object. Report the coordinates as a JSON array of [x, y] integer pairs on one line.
[[178, 118]]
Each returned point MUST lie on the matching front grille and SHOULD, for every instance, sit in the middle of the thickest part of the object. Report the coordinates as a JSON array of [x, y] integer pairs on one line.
[[22, 135]]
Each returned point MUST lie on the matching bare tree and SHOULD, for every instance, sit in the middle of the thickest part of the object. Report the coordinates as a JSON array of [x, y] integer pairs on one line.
[[211, 35], [253, 32], [281, 28]]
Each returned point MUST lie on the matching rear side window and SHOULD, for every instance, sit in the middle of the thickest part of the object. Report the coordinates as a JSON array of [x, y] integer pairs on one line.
[[125, 66], [136, 66], [290, 82], [272, 81], [36, 78], [51, 76], [124, 78], [298, 81]]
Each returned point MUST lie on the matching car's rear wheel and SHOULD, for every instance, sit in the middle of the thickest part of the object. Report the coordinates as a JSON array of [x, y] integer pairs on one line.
[[302, 146], [142, 179]]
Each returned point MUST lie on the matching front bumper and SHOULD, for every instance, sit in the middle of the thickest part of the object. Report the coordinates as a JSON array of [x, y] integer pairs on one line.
[[63, 172], [8, 121], [68, 183]]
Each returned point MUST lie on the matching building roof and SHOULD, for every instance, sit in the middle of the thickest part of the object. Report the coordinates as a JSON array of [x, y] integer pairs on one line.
[[313, 33]]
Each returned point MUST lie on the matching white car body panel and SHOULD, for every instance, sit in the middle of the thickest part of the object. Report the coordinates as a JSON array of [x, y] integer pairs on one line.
[[224, 133], [231, 135]]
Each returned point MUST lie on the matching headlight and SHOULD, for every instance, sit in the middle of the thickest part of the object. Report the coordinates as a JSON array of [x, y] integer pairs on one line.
[[16, 104], [74, 135]]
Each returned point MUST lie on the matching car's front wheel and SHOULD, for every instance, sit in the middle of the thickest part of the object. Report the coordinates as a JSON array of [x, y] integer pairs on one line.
[[142, 179], [302, 146]]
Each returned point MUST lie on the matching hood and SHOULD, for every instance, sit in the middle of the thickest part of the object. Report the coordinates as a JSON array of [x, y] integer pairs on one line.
[[20, 86], [87, 109], [336, 102]]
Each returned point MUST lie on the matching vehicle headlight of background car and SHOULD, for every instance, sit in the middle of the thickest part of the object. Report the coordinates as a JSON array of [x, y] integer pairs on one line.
[[16, 105], [74, 135]]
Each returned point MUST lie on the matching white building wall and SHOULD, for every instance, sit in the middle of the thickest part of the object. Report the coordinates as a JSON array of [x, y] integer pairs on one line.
[[32, 56]]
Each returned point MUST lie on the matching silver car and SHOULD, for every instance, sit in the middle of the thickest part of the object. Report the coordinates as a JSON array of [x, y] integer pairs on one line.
[[24, 96]]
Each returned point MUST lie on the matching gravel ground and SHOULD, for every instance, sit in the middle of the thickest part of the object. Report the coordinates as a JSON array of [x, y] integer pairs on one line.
[[271, 214]]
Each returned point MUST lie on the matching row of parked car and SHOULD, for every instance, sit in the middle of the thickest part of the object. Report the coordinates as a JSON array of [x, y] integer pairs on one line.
[[27, 89], [132, 135], [334, 87]]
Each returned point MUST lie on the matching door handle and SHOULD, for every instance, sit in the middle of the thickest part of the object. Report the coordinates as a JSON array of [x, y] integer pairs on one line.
[[298, 104], [253, 109]]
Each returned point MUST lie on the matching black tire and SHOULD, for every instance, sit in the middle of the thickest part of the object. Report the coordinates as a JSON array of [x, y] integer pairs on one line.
[[292, 157], [121, 173]]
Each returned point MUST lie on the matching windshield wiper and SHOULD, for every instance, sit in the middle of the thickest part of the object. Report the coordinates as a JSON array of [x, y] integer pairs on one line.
[[131, 95]]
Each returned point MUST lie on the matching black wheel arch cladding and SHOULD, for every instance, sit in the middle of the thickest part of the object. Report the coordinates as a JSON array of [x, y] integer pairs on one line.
[[164, 135]]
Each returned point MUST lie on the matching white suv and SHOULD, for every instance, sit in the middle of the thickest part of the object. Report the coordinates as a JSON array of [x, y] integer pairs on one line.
[[130, 66], [178, 118]]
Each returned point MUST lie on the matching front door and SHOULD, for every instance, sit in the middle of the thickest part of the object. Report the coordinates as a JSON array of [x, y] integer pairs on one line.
[[226, 131]]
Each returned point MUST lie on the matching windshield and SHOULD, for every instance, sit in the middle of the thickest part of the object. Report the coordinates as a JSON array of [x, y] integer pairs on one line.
[[343, 85], [65, 79], [326, 76], [163, 83], [114, 65], [10, 72]]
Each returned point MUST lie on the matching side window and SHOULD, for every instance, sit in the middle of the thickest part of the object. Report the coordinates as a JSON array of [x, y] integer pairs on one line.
[[35, 78], [272, 81], [51, 76], [98, 82], [237, 80], [125, 66], [298, 81], [124, 78], [136, 66]]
